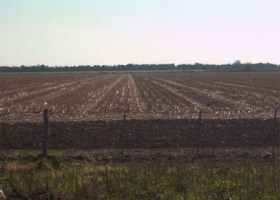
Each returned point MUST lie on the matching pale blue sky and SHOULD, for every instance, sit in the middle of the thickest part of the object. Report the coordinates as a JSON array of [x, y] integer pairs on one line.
[[97, 32]]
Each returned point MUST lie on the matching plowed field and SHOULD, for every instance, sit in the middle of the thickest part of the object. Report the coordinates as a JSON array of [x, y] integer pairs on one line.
[[162, 108]]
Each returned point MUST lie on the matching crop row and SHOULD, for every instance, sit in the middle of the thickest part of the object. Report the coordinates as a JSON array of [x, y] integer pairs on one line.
[[90, 96]]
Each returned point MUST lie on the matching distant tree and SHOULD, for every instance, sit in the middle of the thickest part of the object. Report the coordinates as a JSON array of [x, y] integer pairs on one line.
[[237, 62], [248, 66]]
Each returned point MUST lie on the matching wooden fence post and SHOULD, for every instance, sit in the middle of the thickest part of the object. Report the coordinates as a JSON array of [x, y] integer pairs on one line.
[[198, 133], [123, 132], [46, 133]]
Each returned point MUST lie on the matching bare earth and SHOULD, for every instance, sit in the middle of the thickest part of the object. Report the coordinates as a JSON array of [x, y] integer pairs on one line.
[[86, 110]]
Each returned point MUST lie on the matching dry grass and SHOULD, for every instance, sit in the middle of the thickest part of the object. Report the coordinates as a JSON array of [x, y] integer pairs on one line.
[[81, 177]]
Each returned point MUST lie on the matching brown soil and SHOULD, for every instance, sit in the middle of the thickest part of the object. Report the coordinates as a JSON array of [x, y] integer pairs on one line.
[[160, 133], [86, 109]]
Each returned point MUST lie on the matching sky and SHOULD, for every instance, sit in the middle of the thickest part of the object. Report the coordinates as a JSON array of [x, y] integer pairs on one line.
[[112, 32]]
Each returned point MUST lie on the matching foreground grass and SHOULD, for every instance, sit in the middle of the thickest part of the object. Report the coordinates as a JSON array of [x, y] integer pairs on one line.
[[53, 178]]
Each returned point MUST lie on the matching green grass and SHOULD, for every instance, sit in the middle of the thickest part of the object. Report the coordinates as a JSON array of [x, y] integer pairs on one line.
[[54, 178]]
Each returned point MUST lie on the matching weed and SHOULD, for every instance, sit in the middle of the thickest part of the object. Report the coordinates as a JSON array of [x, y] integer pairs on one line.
[[43, 164], [244, 180], [56, 160]]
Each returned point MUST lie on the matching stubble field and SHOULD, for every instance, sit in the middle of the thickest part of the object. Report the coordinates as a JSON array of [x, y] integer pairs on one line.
[[86, 110]]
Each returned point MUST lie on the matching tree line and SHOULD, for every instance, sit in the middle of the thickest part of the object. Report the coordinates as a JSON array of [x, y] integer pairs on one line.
[[142, 67]]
